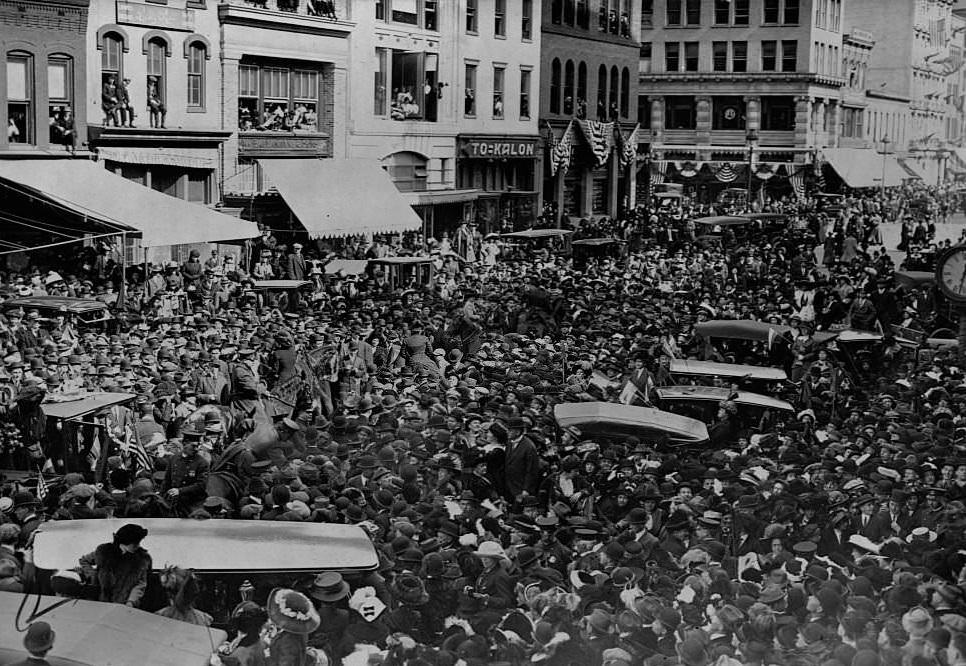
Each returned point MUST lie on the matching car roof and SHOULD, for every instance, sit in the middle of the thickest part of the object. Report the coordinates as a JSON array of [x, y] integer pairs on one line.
[[609, 418], [62, 303], [720, 394], [216, 546], [710, 368]]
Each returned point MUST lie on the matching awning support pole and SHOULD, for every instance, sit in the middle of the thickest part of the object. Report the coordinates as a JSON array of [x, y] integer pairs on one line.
[[122, 288]]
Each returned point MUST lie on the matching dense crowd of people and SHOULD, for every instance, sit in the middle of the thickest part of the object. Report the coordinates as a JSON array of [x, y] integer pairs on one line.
[[834, 535]]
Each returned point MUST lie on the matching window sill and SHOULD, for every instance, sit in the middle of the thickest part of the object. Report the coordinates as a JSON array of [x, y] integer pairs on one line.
[[524, 117], [499, 118], [196, 4], [469, 117], [526, 40], [196, 109], [495, 36], [474, 33]]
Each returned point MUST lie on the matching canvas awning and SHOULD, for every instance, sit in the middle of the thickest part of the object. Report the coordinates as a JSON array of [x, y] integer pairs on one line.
[[440, 197], [90, 190], [863, 167], [911, 168], [337, 197]]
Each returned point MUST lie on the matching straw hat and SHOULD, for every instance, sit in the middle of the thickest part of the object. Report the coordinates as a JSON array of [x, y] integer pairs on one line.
[[292, 611]]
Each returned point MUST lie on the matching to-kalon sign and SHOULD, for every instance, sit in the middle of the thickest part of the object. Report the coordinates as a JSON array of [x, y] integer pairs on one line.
[[499, 149]]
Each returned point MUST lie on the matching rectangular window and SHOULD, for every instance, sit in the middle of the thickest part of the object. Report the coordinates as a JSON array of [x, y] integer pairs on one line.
[[722, 12], [742, 11], [791, 12], [674, 12], [789, 55], [499, 18], [407, 82], [429, 15], [771, 13], [719, 56], [380, 10], [526, 20], [672, 56], [693, 13], [156, 83], [380, 82], [472, 25], [196, 76], [691, 56], [499, 79], [778, 113], [727, 113], [525, 94], [469, 91], [249, 117], [583, 14], [305, 97], [199, 185], [739, 56], [405, 11], [19, 99], [769, 55], [644, 63]]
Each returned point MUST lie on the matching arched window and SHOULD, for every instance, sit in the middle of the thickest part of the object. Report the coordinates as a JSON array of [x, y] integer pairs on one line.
[[625, 93], [197, 55], [157, 53], [568, 101], [407, 170], [615, 88], [555, 86], [602, 92], [580, 107], [112, 57], [20, 97]]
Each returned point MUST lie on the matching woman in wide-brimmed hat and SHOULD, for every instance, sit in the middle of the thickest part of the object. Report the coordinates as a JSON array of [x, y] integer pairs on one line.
[[295, 617]]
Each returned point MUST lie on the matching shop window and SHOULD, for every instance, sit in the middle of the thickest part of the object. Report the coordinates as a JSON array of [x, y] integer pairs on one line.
[[408, 171], [680, 113], [379, 82], [499, 18], [778, 113], [555, 78], [728, 113], [526, 20], [525, 77], [769, 55], [568, 99], [472, 17], [691, 56], [278, 99], [672, 56], [499, 82], [739, 56], [197, 55], [625, 93], [469, 90], [719, 56], [790, 55], [20, 98], [602, 92], [60, 85], [580, 108]]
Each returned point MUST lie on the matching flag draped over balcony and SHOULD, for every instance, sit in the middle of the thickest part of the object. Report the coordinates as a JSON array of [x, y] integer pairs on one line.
[[600, 138]]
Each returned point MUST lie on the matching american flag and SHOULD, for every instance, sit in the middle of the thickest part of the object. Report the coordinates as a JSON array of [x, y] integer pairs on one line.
[[139, 454], [629, 151], [599, 137], [561, 150]]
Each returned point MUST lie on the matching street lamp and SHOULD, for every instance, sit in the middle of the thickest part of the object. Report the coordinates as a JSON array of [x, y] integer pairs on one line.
[[885, 151], [751, 140]]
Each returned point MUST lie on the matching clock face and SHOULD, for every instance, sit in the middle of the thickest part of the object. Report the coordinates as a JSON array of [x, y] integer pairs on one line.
[[952, 274]]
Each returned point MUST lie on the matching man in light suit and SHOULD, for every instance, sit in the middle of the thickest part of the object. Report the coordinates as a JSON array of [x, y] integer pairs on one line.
[[295, 265]]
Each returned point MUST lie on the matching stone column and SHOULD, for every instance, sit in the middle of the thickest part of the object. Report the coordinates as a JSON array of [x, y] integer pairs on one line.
[[752, 112], [835, 119], [657, 119], [803, 108], [703, 119]]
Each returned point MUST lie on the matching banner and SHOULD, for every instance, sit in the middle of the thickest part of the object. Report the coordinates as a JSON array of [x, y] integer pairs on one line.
[[726, 173], [599, 137], [628, 147], [797, 180], [658, 172]]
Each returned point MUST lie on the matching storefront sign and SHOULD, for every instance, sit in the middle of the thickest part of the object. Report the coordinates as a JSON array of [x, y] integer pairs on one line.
[[131, 12], [268, 144], [499, 148]]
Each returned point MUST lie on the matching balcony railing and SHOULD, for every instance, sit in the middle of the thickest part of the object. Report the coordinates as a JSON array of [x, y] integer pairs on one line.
[[776, 138], [325, 9]]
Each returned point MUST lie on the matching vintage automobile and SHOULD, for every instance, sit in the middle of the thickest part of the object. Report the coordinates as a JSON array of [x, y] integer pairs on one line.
[[405, 272], [281, 293], [222, 553], [614, 420], [86, 314], [755, 340], [598, 248], [751, 377], [702, 402], [518, 244], [92, 633]]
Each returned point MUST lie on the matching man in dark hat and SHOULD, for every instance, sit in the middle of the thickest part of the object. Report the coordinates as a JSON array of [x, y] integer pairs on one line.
[[187, 474], [522, 462]]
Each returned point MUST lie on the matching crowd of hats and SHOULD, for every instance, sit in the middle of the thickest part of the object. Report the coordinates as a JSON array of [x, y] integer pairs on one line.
[[834, 537]]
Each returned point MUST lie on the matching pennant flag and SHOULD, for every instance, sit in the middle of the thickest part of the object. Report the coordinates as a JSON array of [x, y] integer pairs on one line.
[[599, 136], [42, 488]]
